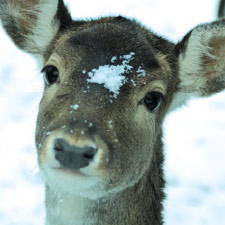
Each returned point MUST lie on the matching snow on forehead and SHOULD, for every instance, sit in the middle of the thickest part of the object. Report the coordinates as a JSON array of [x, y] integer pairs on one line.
[[111, 76]]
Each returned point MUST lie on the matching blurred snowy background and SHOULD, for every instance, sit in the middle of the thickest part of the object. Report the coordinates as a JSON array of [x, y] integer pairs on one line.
[[194, 135]]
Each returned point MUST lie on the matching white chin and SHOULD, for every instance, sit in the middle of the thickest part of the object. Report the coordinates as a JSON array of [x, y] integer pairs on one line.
[[81, 182]]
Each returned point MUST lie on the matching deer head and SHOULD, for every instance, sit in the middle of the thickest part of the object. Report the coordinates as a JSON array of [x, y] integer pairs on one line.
[[108, 86]]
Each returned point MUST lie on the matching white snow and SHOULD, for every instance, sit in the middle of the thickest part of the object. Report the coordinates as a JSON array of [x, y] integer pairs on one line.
[[133, 82], [141, 72], [194, 135], [110, 122], [75, 106], [90, 125], [111, 76], [114, 58]]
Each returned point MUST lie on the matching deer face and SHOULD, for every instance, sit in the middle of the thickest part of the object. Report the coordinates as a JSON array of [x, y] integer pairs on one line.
[[109, 84], [102, 106]]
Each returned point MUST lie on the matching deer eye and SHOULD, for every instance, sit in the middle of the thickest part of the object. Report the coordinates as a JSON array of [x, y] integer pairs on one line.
[[152, 100], [51, 74]]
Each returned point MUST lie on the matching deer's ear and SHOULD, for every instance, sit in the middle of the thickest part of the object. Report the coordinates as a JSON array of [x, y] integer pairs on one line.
[[33, 24], [201, 62]]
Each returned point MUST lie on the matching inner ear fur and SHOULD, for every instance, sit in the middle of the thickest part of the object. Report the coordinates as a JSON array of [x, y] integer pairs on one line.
[[201, 59], [201, 62], [33, 24]]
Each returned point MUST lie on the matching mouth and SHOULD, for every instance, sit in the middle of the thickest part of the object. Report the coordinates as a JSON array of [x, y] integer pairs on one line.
[[69, 172]]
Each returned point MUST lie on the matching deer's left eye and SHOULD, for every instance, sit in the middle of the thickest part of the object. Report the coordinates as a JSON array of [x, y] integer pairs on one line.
[[152, 100], [51, 75]]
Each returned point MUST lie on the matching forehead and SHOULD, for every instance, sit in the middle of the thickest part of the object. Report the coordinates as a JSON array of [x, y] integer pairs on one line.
[[99, 41], [108, 47]]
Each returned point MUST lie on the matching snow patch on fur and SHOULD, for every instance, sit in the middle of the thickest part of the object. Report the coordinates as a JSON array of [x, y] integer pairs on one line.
[[111, 76]]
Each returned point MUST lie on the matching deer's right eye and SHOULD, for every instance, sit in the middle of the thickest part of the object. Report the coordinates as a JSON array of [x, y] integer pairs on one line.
[[51, 75]]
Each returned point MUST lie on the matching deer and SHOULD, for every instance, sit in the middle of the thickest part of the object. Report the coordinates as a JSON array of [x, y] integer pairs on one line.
[[108, 85]]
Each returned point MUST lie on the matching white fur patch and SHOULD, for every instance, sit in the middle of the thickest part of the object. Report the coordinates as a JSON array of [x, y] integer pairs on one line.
[[35, 22], [193, 71], [46, 27], [69, 209]]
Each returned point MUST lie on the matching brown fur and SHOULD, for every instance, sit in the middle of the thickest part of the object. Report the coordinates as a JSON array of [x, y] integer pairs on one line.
[[126, 133]]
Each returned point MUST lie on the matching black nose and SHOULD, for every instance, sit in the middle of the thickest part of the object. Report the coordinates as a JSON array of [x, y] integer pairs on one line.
[[73, 157]]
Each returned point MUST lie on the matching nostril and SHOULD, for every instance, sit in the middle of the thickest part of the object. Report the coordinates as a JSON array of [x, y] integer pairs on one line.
[[59, 145], [88, 156], [58, 149], [89, 153]]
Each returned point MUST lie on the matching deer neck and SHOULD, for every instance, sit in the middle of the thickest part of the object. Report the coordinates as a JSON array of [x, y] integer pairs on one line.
[[139, 204]]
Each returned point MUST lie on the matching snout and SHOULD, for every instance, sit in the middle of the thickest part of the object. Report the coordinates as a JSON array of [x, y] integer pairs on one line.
[[73, 162], [76, 152], [72, 156]]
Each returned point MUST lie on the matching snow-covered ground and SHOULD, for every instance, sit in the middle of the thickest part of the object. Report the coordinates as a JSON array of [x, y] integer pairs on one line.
[[194, 135]]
